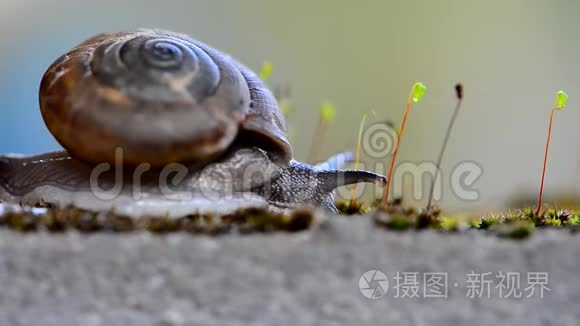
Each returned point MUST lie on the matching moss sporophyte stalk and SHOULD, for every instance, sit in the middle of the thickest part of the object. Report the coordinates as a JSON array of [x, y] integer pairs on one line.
[[559, 103], [459, 95], [417, 92]]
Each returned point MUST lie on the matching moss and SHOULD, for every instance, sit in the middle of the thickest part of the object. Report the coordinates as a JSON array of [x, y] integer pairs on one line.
[[63, 219], [395, 222], [552, 222], [58, 220], [574, 219], [352, 207], [161, 225], [393, 204], [257, 220], [429, 218], [514, 224], [562, 216], [520, 224], [449, 224], [205, 224], [299, 220], [118, 223], [21, 221], [396, 217], [400, 218], [511, 216], [516, 230], [262, 220], [86, 222]]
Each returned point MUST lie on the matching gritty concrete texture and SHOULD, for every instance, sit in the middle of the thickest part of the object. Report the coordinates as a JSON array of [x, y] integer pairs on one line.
[[308, 278]]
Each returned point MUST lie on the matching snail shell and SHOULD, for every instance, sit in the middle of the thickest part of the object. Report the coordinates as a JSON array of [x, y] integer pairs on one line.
[[161, 97]]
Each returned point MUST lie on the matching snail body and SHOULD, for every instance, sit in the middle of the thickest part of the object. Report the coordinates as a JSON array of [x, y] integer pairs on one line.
[[139, 109]]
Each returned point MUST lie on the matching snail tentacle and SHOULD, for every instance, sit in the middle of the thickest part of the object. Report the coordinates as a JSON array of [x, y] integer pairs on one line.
[[302, 184]]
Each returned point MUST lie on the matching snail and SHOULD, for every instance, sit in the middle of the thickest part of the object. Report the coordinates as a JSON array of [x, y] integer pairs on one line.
[[154, 122]]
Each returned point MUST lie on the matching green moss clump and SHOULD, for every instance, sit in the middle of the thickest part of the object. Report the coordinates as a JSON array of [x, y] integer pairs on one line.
[[395, 222], [574, 220], [263, 220], [450, 224], [483, 223], [552, 222], [118, 223], [161, 225], [206, 224], [258, 220], [519, 224], [517, 230], [21, 221], [63, 219], [429, 218], [352, 207], [511, 216], [86, 222], [399, 218]]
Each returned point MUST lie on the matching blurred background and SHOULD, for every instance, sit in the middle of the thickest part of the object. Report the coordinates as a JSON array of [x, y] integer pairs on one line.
[[512, 56]]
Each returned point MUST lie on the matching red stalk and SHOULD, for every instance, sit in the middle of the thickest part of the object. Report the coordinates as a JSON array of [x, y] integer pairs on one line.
[[394, 158], [537, 213]]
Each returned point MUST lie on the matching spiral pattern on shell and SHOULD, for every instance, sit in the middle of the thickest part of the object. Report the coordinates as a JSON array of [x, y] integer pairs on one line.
[[161, 97]]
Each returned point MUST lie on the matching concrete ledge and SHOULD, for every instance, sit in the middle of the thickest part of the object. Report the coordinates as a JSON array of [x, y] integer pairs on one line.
[[309, 278]]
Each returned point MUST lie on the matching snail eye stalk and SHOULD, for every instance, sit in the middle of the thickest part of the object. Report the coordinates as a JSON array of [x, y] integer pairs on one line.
[[459, 95], [417, 92], [559, 103]]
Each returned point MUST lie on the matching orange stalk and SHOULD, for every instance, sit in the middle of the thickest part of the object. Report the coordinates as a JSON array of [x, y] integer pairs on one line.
[[539, 207], [559, 104], [396, 151]]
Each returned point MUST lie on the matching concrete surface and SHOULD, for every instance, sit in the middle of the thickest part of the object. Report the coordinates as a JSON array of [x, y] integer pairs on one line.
[[309, 278]]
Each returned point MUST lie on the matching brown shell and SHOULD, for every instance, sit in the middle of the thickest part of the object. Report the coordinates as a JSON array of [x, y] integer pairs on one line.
[[159, 96]]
